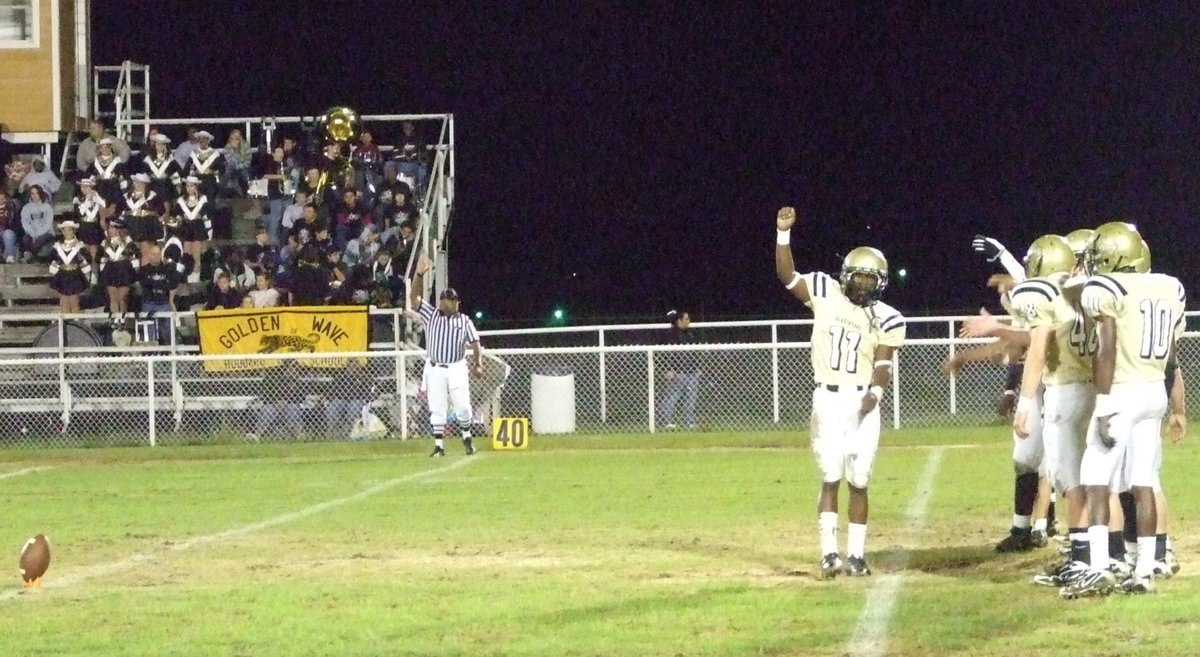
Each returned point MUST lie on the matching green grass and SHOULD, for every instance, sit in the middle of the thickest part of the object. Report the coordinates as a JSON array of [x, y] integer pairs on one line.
[[671, 544]]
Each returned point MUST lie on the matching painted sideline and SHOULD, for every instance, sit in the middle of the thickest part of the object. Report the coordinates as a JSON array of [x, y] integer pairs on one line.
[[25, 471], [101, 570], [870, 632]]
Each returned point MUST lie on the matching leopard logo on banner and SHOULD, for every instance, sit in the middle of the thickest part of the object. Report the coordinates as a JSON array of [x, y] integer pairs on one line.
[[246, 332]]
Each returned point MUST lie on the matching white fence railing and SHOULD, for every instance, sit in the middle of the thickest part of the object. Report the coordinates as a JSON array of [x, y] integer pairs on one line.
[[751, 376]]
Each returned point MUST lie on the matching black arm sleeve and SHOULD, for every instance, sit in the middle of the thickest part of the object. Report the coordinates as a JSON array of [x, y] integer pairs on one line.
[[1172, 367], [1013, 380]]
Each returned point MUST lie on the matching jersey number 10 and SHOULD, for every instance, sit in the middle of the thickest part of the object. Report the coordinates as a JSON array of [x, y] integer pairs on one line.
[[1156, 328], [839, 336]]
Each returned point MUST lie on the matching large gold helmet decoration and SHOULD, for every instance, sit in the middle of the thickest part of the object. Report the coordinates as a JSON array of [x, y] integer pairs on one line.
[[340, 125], [864, 275], [1049, 254], [1143, 267], [1115, 247]]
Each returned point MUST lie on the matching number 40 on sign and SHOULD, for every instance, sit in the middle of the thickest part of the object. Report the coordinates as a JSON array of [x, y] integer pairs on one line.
[[510, 432]]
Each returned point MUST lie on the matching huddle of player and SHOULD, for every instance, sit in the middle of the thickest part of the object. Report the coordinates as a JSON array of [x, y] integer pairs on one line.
[[1100, 335], [1100, 332]]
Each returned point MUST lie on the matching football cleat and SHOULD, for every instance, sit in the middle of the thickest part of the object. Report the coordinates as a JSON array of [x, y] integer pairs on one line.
[[1065, 574], [1171, 562], [1137, 584], [1038, 538], [469, 445], [1018, 540], [1092, 584], [831, 565], [1120, 569], [1162, 570], [857, 567], [437, 452]]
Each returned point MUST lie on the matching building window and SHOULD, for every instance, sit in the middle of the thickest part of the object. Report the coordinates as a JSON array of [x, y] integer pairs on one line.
[[18, 23]]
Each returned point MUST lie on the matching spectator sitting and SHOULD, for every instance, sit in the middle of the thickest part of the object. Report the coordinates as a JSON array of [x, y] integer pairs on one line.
[[263, 295], [291, 215], [183, 152], [222, 296], [367, 158], [42, 177], [321, 239], [241, 276], [85, 156], [350, 217], [391, 195], [337, 268], [282, 399], [8, 221], [15, 172], [364, 247], [238, 156], [263, 255], [410, 155], [382, 273], [309, 281], [37, 220]]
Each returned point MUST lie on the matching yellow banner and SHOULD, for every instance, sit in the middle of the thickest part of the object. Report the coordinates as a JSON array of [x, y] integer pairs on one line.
[[301, 329]]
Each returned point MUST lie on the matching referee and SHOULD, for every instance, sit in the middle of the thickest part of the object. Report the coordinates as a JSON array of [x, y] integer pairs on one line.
[[447, 334]]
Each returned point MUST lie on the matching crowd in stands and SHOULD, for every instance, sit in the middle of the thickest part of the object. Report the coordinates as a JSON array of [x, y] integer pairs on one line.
[[150, 229]]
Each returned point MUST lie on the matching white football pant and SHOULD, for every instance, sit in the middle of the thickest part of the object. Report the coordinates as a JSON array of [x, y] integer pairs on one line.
[[1028, 452], [1136, 428], [843, 444], [1068, 409]]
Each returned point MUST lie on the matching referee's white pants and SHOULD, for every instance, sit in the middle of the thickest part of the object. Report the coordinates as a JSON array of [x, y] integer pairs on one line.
[[445, 385]]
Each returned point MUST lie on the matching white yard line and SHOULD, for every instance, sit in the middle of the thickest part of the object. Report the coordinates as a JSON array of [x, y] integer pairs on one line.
[[25, 471], [870, 632], [103, 569]]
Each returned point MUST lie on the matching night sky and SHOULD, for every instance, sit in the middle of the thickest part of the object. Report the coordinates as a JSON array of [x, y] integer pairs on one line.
[[645, 147]]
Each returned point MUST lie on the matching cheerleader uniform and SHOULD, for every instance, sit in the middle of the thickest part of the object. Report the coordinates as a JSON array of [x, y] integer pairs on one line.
[[164, 175], [109, 174], [194, 213], [207, 165], [70, 270], [89, 209], [141, 212], [118, 262]]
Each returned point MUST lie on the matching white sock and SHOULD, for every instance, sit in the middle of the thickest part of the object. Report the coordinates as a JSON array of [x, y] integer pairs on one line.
[[1169, 549], [437, 442], [1145, 555], [1020, 522], [1098, 543], [1133, 548], [1039, 525], [827, 526], [856, 540]]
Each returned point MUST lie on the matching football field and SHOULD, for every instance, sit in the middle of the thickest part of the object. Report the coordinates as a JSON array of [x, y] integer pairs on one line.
[[676, 544]]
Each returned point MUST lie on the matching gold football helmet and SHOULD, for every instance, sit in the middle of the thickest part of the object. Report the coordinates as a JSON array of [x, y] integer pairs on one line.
[[864, 275], [1079, 240], [1143, 267], [1049, 254], [1115, 247]]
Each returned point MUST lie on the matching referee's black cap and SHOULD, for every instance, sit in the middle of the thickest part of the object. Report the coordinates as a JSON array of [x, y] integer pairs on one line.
[[449, 293]]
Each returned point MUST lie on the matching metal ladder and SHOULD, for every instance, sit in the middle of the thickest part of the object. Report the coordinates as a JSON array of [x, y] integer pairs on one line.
[[122, 96]]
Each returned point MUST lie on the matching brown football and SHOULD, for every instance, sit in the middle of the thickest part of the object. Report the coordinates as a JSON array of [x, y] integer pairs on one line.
[[35, 559]]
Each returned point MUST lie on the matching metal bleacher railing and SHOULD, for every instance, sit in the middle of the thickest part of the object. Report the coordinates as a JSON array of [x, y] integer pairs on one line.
[[755, 376]]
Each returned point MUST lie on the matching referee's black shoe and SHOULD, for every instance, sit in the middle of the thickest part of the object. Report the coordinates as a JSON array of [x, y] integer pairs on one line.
[[437, 452], [469, 445]]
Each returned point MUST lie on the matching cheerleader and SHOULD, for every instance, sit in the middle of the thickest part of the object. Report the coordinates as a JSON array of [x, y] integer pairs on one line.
[[143, 206], [163, 169], [206, 163], [90, 208], [118, 267], [172, 245], [109, 173], [70, 268], [193, 210]]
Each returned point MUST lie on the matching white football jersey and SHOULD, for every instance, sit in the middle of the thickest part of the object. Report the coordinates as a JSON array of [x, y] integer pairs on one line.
[[845, 335]]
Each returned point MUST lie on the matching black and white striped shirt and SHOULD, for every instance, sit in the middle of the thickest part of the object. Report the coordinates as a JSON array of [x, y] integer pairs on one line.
[[446, 336]]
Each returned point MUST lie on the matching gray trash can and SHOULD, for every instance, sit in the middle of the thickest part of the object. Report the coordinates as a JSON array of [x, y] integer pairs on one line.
[[552, 403]]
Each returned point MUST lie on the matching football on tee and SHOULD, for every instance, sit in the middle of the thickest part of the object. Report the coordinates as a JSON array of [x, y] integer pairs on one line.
[[35, 559]]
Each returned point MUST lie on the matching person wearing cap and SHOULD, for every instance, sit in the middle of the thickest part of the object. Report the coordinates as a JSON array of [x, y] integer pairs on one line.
[[171, 246], [118, 266], [141, 210], [447, 374], [85, 156], [108, 171], [90, 210], [206, 164], [42, 177], [162, 168], [195, 213], [70, 268], [683, 373]]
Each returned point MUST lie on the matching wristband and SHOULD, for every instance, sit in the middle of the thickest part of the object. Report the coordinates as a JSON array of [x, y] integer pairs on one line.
[[877, 391], [1105, 406], [796, 277], [883, 363], [783, 237], [1010, 393], [1024, 404]]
